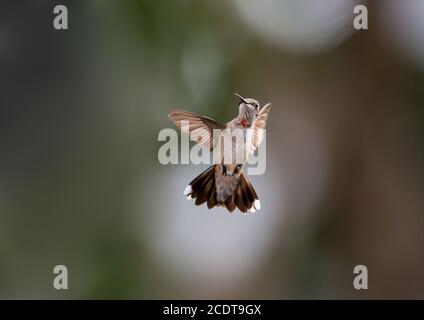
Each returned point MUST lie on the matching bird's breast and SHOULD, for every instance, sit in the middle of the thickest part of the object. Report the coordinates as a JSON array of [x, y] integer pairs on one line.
[[233, 146]]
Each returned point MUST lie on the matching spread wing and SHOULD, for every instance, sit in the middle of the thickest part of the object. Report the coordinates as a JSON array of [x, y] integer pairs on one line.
[[257, 132], [200, 128]]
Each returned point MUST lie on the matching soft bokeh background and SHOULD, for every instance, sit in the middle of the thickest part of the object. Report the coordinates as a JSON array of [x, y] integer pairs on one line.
[[80, 183]]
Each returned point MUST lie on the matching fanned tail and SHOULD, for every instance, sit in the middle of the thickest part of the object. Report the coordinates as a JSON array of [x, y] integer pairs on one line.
[[203, 189]]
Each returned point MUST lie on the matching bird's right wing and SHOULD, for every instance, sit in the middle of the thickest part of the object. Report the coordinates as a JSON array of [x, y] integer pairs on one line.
[[258, 126], [200, 128]]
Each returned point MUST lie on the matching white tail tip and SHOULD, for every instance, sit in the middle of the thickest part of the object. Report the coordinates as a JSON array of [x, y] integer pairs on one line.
[[257, 204], [187, 190]]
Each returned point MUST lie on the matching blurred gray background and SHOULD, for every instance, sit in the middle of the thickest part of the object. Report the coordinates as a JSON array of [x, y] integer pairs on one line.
[[80, 183]]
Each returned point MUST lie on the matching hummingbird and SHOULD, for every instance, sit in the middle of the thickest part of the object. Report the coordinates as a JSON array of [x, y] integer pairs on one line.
[[224, 184]]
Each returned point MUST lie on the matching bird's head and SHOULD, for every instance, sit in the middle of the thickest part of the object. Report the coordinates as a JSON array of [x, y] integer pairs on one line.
[[248, 109]]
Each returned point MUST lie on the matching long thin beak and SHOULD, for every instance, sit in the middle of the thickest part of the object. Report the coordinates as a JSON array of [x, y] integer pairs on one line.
[[240, 97]]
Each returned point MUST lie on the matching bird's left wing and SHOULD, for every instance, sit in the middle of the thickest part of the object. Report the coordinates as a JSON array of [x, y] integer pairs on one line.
[[200, 128], [258, 126]]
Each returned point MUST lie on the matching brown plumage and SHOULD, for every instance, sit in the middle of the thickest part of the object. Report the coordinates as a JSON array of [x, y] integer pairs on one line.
[[203, 189]]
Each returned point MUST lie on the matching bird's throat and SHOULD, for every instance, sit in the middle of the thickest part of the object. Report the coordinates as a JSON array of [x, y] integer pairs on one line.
[[243, 122]]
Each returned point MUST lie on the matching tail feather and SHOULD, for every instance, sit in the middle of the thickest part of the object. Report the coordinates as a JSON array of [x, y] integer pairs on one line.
[[244, 197], [212, 199], [229, 204], [203, 189]]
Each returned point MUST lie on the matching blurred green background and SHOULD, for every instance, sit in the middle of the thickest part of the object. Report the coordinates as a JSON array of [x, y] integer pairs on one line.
[[80, 183]]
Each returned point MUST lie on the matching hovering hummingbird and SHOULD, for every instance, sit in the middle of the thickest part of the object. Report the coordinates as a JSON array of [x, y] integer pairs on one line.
[[225, 184]]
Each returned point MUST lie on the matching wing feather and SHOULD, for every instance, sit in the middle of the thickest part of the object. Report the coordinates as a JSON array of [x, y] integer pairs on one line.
[[200, 128], [258, 126]]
